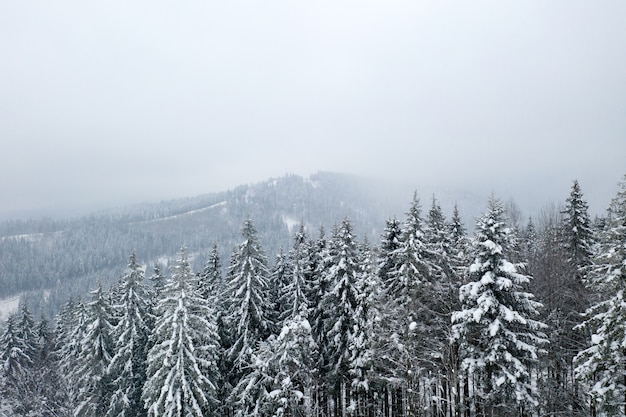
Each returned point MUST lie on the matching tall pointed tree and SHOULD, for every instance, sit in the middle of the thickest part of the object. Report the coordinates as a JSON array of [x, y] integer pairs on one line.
[[601, 365], [96, 350], [346, 354], [294, 294], [248, 294], [498, 336], [182, 363], [127, 370], [577, 230], [211, 282]]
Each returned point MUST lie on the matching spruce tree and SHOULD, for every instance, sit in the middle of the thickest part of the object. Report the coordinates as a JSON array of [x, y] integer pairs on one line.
[[248, 294], [346, 355], [211, 283], [577, 230], [281, 376], [14, 362], [182, 363], [294, 294], [96, 350], [127, 370], [601, 364], [498, 336]]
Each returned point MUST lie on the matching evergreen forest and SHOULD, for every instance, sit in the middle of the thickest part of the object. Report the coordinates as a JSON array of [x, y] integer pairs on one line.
[[517, 317]]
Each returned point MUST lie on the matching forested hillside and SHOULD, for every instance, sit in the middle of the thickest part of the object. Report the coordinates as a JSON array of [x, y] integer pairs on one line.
[[426, 320], [50, 260]]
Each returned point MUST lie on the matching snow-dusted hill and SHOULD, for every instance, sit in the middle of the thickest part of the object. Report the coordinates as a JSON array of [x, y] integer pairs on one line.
[[69, 256]]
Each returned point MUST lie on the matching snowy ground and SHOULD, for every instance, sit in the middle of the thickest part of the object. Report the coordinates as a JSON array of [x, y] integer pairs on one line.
[[7, 306]]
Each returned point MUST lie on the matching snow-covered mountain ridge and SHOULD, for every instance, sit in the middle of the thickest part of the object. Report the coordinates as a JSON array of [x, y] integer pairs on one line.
[[69, 256]]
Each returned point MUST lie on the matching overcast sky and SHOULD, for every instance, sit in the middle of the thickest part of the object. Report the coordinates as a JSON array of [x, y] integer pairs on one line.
[[108, 102]]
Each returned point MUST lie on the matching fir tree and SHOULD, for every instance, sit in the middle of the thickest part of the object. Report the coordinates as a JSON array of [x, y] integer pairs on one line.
[[127, 370], [577, 230], [498, 337], [158, 282], [281, 376], [182, 363], [96, 350], [346, 355], [14, 363], [248, 295], [389, 261], [294, 294], [211, 284], [602, 363]]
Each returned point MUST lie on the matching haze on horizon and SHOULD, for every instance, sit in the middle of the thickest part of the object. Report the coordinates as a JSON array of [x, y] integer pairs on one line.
[[113, 103]]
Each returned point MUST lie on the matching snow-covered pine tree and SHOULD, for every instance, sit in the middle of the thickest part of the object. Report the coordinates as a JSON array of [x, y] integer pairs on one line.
[[346, 354], [96, 350], [70, 329], [294, 294], [577, 231], [50, 389], [278, 280], [564, 297], [601, 365], [182, 363], [416, 265], [158, 282], [498, 337], [29, 390], [389, 261], [387, 327], [319, 262], [281, 377], [14, 364], [127, 370], [459, 243], [409, 293], [439, 298], [248, 297], [211, 283]]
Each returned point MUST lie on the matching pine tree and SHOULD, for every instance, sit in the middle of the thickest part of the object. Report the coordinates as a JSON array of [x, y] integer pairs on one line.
[[498, 337], [416, 260], [346, 354], [15, 364], [182, 363], [281, 377], [294, 294], [577, 231], [158, 282], [127, 370], [96, 350], [602, 363], [248, 296], [438, 358], [277, 282], [459, 243], [564, 297], [389, 261], [211, 282], [54, 398]]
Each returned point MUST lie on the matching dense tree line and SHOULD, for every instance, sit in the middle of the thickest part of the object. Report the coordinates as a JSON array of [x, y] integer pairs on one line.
[[49, 260], [428, 322]]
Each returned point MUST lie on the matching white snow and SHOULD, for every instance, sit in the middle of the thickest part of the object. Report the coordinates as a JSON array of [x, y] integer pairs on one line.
[[290, 222], [188, 213], [8, 305]]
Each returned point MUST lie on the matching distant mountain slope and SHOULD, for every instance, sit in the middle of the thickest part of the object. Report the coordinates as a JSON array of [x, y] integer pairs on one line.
[[67, 257]]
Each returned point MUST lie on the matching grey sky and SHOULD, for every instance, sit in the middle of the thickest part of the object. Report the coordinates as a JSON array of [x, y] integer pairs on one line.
[[103, 103]]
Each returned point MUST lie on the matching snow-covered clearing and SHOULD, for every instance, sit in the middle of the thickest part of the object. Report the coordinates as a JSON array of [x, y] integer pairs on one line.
[[188, 213], [8, 305]]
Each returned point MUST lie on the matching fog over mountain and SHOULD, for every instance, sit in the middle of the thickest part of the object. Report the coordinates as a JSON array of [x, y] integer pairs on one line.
[[108, 104]]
